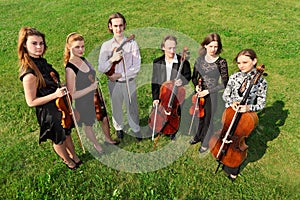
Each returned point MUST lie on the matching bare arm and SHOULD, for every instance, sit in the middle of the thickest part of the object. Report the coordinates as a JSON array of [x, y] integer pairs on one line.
[[71, 79], [29, 85]]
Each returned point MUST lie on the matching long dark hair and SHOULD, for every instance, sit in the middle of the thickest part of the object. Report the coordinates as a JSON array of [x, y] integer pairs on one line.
[[210, 38], [24, 58]]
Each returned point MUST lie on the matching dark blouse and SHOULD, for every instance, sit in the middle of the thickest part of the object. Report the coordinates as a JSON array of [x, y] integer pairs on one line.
[[210, 74], [48, 115]]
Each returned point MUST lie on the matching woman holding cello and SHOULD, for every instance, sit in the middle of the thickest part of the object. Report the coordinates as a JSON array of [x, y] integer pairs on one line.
[[209, 67], [41, 92], [80, 78], [244, 94], [166, 68]]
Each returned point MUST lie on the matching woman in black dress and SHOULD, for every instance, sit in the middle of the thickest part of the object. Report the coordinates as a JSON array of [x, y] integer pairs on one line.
[[80, 77], [41, 91], [210, 67]]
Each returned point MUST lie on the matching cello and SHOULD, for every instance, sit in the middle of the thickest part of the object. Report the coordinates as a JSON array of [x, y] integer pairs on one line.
[[164, 118], [228, 145]]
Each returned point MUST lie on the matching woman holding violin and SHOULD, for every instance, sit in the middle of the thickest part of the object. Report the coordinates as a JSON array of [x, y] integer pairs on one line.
[[41, 92], [234, 95], [80, 78], [209, 67], [165, 68]]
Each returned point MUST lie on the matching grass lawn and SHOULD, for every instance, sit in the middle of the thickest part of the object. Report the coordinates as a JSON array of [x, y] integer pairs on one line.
[[174, 170]]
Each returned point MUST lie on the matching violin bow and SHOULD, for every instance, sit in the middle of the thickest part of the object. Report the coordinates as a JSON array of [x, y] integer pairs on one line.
[[52, 74], [127, 82], [154, 123], [75, 121], [194, 113], [196, 108]]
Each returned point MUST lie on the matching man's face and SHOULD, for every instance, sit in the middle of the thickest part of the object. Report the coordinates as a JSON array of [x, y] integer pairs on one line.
[[117, 26]]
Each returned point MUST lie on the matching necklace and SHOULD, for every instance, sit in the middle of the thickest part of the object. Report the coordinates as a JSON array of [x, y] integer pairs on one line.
[[211, 59]]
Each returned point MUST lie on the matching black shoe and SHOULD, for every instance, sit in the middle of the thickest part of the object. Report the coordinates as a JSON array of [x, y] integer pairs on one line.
[[71, 168], [173, 136], [138, 136], [120, 134], [114, 143], [203, 149], [193, 141], [77, 163]]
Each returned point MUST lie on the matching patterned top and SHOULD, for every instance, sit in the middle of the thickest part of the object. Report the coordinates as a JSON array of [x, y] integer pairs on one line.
[[210, 74], [258, 93]]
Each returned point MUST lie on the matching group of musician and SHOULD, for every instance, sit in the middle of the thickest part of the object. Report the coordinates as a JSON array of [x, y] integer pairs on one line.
[[41, 91]]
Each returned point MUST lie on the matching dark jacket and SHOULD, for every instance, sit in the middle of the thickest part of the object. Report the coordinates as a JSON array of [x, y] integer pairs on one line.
[[159, 74]]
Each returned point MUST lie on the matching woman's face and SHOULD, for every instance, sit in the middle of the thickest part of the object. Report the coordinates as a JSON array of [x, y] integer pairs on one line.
[[211, 48], [35, 46], [245, 63], [77, 48]]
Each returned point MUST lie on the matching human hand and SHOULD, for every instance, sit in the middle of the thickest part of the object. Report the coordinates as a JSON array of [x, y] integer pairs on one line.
[[114, 77], [155, 102], [60, 92], [202, 93], [178, 82], [240, 108], [93, 86], [116, 56]]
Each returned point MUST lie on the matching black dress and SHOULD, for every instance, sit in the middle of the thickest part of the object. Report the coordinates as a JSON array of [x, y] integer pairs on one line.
[[48, 115], [85, 104], [210, 74]]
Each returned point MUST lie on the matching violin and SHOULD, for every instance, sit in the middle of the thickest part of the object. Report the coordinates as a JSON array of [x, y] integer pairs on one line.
[[171, 96], [111, 71], [99, 102], [62, 105], [197, 103], [228, 145], [69, 117]]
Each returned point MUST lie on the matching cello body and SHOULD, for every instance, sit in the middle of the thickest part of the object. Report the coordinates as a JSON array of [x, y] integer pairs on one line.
[[167, 118], [234, 152]]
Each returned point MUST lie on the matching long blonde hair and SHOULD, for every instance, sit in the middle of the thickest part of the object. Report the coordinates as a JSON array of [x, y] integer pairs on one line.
[[71, 38], [23, 55]]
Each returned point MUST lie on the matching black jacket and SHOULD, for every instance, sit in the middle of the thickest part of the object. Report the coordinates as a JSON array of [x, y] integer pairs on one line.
[[159, 74]]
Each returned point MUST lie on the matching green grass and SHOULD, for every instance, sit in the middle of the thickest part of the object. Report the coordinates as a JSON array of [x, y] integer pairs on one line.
[[271, 171]]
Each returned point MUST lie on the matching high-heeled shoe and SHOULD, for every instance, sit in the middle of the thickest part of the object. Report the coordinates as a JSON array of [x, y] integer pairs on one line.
[[68, 164], [78, 163], [112, 143]]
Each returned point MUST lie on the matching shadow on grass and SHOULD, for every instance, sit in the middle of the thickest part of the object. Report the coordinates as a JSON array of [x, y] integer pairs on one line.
[[270, 119]]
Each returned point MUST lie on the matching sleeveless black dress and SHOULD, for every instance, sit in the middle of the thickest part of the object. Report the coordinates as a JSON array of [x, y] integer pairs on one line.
[[48, 115], [85, 104]]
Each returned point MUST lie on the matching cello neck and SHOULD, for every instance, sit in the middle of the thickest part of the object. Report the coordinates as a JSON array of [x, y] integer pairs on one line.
[[259, 71]]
